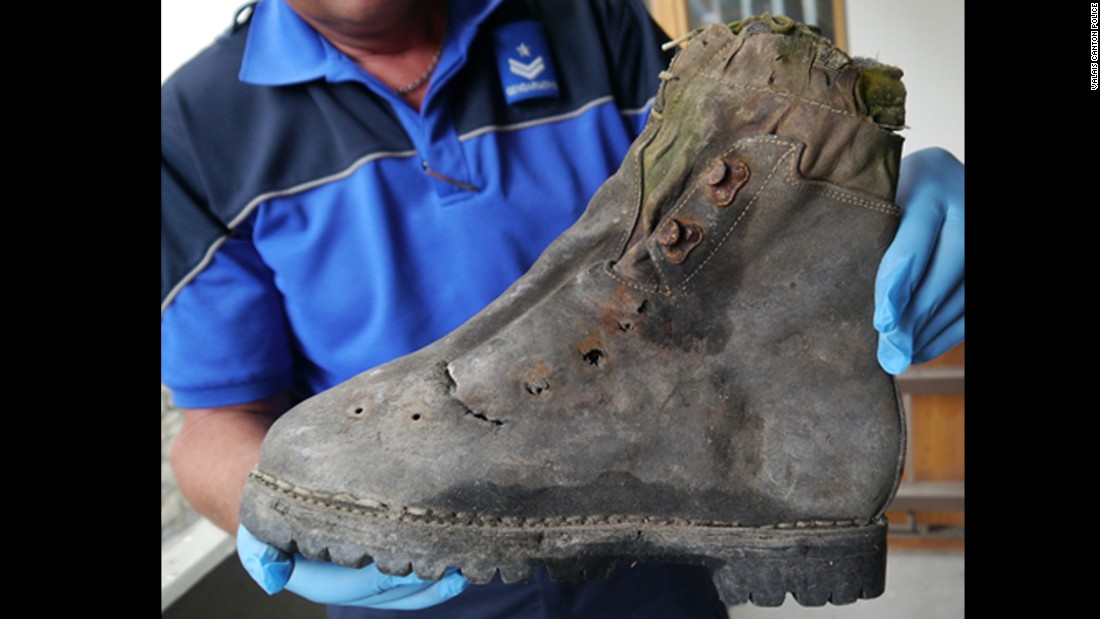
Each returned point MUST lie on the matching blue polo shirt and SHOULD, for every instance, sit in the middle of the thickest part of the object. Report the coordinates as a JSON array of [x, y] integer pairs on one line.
[[309, 233], [314, 225]]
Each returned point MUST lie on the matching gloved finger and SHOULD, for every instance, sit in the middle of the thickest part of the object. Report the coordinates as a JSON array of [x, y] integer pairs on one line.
[[939, 296], [267, 565], [949, 338], [894, 355], [941, 319], [900, 347], [904, 262], [939, 290], [931, 173], [328, 583], [416, 597], [931, 191]]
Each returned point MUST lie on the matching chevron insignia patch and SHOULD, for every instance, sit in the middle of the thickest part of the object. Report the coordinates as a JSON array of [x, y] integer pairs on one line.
[[523, 58]]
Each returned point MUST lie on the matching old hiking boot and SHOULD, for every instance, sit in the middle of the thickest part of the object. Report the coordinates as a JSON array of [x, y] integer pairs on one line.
[[688, 374]]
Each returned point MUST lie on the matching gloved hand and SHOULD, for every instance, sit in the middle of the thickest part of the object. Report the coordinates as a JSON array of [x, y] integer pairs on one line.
[[328, 583], [919, 290]]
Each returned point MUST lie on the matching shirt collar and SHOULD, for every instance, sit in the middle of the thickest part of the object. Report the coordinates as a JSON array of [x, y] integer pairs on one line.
[[283, 49]]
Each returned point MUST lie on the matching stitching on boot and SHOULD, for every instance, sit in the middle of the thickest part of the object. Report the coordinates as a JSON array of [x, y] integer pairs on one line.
[[824, 187], [665, 288], [636, 182], [377, 509], [804, 185], [748, 207], [812, 102], [705, 71], [652, 289], [820, 188]]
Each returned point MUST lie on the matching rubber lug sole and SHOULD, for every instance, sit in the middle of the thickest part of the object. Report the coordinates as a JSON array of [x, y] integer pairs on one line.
[[818, 563]]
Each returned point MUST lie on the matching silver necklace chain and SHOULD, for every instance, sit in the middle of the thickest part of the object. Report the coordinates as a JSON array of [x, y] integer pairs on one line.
[[418, 82]]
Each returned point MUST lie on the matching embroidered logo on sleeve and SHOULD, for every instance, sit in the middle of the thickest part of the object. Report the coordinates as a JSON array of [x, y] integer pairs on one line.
[[523, 58]]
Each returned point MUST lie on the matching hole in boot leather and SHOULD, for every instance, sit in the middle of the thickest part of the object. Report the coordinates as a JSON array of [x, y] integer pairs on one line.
[[484, 417], [452, 387], [641, 308], [416, 417], [594, 356], [536, 388]]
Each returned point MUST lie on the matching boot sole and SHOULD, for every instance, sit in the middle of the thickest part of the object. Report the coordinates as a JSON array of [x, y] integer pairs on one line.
[[817, 561]]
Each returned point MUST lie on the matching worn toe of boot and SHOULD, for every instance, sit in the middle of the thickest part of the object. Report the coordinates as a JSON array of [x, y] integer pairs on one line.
[[686, 375]]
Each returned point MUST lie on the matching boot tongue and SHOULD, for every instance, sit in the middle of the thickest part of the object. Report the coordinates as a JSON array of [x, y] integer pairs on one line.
[[767, 75]]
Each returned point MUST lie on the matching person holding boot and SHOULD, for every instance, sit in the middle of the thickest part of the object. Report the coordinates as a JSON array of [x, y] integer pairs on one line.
[[346, 183]]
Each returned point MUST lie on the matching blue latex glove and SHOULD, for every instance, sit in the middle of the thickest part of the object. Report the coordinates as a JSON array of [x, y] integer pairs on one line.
[[328, 583], [920, 292]]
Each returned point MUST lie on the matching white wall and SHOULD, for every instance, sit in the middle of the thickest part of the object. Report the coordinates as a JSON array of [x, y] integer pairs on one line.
[[187, 26], [924, 38]]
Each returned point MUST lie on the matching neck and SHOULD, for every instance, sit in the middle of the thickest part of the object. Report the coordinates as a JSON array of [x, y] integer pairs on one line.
[[396, 42]]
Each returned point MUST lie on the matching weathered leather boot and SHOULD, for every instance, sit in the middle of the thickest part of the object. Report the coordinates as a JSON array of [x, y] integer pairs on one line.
[[688, 374]]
